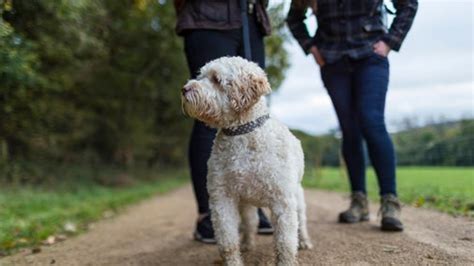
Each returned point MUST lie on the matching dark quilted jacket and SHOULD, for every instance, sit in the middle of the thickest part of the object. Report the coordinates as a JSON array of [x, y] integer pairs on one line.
[[216, 14]]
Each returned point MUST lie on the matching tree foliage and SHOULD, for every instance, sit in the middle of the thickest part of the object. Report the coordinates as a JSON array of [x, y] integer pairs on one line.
[[97, 81], [447, 143]]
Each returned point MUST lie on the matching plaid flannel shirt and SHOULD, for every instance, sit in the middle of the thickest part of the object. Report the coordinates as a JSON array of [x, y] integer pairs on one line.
[[351, 27]]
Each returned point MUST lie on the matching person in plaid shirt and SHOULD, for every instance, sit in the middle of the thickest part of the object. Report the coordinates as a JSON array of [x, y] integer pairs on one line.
[[351, 46]]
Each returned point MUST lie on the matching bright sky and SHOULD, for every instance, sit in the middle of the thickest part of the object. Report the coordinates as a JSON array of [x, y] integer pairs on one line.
[[431, 77]]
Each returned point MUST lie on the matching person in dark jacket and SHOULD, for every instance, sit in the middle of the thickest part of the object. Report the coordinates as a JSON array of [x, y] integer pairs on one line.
[[212, 29], [351, 46]]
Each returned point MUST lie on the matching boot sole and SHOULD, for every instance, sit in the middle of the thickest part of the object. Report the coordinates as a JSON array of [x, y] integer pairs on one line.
[[391, 228], [391, 225], [363, 218], [265, 231], [198, 237]]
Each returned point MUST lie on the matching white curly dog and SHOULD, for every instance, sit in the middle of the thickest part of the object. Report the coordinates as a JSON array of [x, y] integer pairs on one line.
[[255, 160]]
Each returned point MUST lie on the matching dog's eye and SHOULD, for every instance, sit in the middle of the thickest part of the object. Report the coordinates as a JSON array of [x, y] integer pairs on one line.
[[214, 79]]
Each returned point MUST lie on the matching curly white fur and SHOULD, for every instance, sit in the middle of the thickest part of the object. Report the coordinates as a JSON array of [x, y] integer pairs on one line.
[[262, 168]]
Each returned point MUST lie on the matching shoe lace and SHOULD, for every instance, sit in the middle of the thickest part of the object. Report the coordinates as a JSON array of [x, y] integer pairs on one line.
[[389, 204], [357, 201]]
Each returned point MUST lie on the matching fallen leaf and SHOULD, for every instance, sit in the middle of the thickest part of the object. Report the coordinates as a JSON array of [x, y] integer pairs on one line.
[[389, 249], [60, 238], [22, 241], [50, 240], [420, 202], [70, 227], [36, 250]]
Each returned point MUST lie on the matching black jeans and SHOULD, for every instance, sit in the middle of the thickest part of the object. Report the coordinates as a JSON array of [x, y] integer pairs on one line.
[[202, 46], [358, 89]]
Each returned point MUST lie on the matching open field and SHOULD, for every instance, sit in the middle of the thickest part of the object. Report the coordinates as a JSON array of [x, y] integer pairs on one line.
[[449, 189]]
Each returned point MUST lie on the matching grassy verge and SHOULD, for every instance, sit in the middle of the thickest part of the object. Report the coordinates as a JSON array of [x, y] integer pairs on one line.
[[29, 215], [448, 189]]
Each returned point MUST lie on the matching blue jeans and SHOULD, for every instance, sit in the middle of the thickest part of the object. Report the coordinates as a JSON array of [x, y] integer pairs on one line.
[[358, 89]]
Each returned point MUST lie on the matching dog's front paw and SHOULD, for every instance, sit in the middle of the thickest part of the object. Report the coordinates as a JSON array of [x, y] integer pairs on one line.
[[305, 244]]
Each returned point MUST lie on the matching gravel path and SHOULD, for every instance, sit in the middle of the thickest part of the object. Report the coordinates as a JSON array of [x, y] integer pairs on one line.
[[158, 232]]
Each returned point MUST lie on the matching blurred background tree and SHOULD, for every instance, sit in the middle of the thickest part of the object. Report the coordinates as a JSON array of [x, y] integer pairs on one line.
[[98, 82]]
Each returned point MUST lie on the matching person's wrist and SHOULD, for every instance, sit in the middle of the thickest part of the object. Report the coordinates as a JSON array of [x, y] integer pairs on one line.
[[317, 55], [392, 41]]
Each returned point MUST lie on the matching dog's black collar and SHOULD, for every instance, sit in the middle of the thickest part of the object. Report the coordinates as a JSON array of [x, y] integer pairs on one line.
[[247, 127]]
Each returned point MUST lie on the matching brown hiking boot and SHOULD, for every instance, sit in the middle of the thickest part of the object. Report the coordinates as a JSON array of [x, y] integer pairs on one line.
[[358, 211], [390, 209]]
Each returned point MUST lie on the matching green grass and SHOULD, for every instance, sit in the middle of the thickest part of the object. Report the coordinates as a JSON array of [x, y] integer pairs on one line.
[[448, 189], [30, 214]]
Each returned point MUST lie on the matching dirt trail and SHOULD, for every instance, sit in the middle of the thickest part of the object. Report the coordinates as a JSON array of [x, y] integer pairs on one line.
[[158, 232]]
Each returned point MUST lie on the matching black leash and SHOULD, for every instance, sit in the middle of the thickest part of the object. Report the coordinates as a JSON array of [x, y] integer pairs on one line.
[[245, 30]]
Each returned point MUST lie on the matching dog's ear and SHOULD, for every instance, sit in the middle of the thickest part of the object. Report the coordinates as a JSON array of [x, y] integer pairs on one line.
[[259, 85], [246, 92]]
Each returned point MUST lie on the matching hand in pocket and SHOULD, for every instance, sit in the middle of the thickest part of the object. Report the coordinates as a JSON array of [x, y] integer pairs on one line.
[[381, 48]]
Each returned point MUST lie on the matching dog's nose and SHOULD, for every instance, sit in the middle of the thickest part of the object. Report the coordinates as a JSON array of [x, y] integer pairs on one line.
[[185, 89]]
